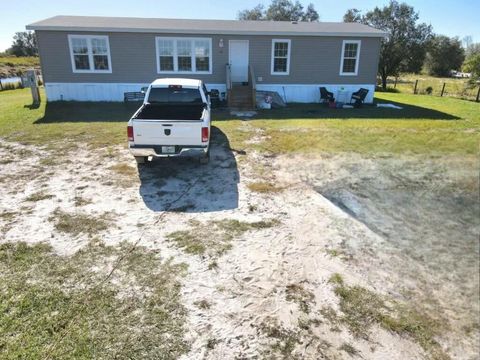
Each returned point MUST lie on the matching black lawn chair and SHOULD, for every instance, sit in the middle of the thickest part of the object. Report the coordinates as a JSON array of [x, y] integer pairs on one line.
[[325, 95], [359, 96]]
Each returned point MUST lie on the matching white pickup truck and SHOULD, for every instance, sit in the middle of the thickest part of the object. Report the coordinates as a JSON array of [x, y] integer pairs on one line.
[[174, 120]]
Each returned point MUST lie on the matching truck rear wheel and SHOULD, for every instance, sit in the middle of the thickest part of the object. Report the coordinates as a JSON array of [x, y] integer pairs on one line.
[[141, 159]]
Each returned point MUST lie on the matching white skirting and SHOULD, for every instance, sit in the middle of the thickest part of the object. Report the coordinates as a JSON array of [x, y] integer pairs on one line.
[[99, 91], [306, 93]]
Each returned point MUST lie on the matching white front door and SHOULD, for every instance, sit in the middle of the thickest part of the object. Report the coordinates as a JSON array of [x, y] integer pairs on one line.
[[238, 59]]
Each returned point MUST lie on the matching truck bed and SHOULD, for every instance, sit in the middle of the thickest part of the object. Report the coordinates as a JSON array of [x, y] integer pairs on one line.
[[170, 112]]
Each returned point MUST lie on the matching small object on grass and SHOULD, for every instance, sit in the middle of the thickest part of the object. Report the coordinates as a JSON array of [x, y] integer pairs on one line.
[[391, 106], [244, 114]]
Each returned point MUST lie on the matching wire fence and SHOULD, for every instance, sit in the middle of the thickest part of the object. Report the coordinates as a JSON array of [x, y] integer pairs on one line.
[[459, 88]]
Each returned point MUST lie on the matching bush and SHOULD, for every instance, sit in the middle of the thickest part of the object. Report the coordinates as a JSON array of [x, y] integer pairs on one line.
[[429, 90]]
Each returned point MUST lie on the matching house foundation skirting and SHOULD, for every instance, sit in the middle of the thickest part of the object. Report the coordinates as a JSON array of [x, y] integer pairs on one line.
[[303, 93], [98, 91], [310, 93]]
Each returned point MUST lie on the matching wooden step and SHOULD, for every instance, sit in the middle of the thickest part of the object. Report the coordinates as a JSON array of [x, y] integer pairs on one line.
[[241, 97]]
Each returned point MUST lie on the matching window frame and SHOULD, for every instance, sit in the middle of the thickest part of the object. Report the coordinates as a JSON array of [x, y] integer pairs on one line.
[[90, 54], [357, 58], [192, 55], [289, 53]]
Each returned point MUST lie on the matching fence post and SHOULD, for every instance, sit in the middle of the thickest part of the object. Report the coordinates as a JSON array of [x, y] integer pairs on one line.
[[395, 84], [1, 86], [415, 90], [443, 89], [478, 94]]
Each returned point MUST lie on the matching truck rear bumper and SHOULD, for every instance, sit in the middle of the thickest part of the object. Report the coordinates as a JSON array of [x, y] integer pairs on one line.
[[180, 150]]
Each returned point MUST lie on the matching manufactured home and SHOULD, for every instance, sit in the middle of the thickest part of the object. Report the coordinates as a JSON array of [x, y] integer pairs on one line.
[[87, 58]]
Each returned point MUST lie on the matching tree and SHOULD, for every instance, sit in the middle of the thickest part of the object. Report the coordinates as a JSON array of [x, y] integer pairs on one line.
[[352, 15], [310, 14], [284, 10], [472, 65], [472, 49], [257, 13], [467, 41], [405, 41], [280, 10], [444, 54], [24, 44], [472, 61]]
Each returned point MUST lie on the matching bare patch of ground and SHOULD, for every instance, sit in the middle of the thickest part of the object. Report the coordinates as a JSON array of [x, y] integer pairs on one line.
[[261, 279], [425, 213]]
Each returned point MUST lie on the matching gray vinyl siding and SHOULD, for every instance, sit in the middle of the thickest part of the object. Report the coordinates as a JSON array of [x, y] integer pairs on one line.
[[314, 60]]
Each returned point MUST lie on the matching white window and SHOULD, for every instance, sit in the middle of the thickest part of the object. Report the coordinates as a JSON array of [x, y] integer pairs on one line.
[[280, 57], [184, 55], [350, 57], [90, 53]]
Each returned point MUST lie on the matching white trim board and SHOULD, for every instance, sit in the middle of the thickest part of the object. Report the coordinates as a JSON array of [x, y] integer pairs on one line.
[[272, 56], [100, 91], [357, 58], [192, 55], [89, 54]]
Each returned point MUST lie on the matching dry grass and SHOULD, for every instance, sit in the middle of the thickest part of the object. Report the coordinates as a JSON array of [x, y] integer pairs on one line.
[[38, 196], [81, 201], [64, 314], [77, 223], [349, 349], [297, 293], [460, 88], [214, 237], [264, 187], [283, 340], [362, 308], [125, 175]]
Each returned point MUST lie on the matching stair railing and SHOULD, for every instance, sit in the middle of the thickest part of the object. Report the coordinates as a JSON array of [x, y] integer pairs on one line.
[[253, 85]]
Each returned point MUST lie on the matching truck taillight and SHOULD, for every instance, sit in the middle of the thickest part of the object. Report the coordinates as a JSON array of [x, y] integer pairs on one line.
[[204, 134], [130, 133]]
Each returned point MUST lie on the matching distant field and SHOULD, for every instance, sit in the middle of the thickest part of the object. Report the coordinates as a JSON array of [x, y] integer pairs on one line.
[[22, 60], [12, 65], [453, 87]]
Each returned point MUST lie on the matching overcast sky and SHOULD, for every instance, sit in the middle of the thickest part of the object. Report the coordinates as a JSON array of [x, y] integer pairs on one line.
[[449, 17]]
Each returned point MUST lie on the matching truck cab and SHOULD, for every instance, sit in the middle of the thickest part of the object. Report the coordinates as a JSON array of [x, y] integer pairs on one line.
[[173, 121]]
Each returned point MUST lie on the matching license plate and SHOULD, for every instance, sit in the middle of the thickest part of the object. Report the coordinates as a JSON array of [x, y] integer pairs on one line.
[[168, 149]]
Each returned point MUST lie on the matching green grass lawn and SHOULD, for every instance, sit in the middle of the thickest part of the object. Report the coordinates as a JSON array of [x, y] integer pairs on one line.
[[426, 125]]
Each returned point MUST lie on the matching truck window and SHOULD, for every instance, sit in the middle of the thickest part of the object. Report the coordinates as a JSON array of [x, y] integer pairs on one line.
[[174, 95]]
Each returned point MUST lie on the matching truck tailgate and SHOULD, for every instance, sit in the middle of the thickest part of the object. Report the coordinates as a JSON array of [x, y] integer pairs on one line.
[[164, 132]]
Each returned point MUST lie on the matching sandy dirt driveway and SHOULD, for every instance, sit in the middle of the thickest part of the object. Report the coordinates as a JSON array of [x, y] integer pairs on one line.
[[297, 268]]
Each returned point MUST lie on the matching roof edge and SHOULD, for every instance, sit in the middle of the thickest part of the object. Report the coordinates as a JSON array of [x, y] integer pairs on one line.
[[192, 31]]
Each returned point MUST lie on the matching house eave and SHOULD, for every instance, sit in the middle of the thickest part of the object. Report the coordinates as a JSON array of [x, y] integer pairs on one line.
[[203, 32]]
